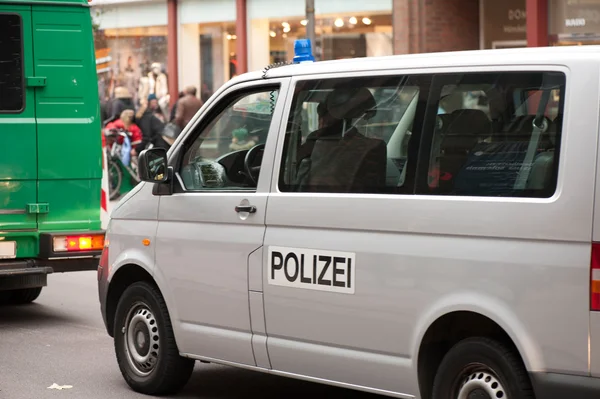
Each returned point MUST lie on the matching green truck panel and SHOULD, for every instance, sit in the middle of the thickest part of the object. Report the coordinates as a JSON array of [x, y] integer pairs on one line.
[[67, 107], [27, 244], [50, 2], [14, 197], [74, 205], [51, 153], [17, 162]]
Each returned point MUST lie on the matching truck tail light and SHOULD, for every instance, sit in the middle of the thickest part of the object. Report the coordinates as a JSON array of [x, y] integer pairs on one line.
[[78, 243], [595, 278]]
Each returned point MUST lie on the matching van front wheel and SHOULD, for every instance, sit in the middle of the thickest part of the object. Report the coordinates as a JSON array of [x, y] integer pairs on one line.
[[145, 346], [481, 368]]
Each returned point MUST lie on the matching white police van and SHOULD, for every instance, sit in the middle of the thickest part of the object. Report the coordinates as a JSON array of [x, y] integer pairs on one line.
[[419, 226]]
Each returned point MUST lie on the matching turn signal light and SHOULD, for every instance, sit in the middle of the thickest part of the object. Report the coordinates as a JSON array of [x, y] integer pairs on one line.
[[78, 243]]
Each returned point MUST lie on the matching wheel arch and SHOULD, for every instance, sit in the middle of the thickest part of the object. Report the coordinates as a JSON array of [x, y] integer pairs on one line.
[[457, 318], [122, 278]]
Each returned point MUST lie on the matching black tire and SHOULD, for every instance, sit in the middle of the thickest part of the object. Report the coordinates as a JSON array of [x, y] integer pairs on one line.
[[485, 365], [115, 180], [5, 298], [165, 372], [23, 296]]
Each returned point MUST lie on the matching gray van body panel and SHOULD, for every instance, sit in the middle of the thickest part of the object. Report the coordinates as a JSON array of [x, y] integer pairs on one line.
[[521, 262]]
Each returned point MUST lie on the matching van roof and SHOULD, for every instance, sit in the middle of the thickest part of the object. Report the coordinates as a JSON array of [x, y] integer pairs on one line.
[[559, 55], [41, 2]]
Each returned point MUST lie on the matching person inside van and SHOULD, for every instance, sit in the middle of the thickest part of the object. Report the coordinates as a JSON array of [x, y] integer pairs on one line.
[[241, 140], [341, 158], [327, 125]]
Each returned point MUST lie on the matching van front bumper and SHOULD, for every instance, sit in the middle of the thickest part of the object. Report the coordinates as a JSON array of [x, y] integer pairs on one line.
[[562, 386]]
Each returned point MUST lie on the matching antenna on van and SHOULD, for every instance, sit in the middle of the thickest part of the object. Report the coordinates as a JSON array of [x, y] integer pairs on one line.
[[273, 66]]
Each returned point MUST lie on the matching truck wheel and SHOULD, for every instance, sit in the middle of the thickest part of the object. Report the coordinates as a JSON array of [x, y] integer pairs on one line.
[[23, 296], [145, 344], [482, 368], [4, 298]]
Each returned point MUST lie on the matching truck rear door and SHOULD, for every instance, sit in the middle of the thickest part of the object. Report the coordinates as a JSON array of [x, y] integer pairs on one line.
[[18, 135], [68, 127]]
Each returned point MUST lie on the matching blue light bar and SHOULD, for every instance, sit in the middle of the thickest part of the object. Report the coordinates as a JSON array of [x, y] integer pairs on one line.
[[303, 51]]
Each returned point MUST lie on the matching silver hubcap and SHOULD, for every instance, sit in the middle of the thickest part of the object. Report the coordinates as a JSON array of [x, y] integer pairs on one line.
[[141, 339], [481, 384]]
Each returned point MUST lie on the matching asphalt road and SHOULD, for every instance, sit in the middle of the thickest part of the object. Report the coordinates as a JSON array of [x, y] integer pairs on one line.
[[61, 339]]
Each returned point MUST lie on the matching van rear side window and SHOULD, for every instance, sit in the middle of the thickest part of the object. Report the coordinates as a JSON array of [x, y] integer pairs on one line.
[[351, 135], [496, 135], [11, 64]]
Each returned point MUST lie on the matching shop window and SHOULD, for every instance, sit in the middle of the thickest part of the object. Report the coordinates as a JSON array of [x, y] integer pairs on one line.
[[488, 140], [12, 99], [350, 136], [134, 64], [344, 36], [218, 58]]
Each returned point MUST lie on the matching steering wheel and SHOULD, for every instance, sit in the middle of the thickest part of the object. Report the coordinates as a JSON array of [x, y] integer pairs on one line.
[[252, 171]]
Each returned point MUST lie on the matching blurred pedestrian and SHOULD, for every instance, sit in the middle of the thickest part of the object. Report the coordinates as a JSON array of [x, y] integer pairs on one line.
[[144, 86], [105, 108], [205, 93], [123, 101], [174, 109], [187, 107], [134, 133], [152, 126]]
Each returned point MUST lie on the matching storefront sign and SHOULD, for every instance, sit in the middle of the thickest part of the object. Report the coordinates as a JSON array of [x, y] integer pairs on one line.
[[574, 16], [504, 22]]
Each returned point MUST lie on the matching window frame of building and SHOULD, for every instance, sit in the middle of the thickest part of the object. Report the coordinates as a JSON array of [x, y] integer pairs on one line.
[[22, 65]]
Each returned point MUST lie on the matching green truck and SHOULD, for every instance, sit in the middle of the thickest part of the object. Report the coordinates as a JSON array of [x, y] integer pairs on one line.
[[50, 145]]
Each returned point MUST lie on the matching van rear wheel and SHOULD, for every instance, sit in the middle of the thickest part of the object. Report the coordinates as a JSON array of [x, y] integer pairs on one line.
[[481, 368], [145, 346]]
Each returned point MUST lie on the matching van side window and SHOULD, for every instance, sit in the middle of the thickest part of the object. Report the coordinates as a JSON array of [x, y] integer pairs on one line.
[[215, 158], [487, 140], [11, 64], [352, 135]]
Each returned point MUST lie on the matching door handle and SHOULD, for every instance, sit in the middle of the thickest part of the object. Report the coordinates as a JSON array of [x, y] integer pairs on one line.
[[245, 208], [35, 81]]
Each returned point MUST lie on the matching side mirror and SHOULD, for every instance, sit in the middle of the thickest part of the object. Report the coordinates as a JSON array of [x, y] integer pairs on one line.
[[152, 165]]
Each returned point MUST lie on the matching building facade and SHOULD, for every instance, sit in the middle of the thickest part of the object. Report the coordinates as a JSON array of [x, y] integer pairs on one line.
[[136, 34], [214, 40]]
